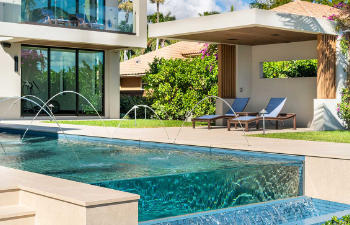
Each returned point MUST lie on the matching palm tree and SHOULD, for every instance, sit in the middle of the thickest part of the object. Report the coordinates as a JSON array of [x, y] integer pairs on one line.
[[158, 2], [127, 6]]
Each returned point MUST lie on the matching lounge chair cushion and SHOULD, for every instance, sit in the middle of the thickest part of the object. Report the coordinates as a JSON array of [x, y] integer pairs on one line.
[[208, 117], [245, 118]]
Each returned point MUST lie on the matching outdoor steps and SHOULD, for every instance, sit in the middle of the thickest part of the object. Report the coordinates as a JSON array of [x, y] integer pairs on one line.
[[16, 215], [9, 196], [11, 213]]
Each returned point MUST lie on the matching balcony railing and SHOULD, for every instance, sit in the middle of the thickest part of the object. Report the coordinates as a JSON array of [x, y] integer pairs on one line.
[[104, 15]]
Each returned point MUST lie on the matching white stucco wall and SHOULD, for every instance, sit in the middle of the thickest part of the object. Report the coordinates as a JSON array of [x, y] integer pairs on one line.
[[300, 91], [10, 81]]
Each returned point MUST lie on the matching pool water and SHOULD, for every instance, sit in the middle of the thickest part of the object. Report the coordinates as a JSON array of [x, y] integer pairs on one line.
[[172, 180], [293, 211]]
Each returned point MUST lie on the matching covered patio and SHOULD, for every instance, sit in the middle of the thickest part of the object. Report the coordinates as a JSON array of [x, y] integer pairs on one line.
[[246, 39]]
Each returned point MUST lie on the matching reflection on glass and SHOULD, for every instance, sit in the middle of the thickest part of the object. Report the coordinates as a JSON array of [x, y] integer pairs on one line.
[[34, 76], [112, 15], [47, 71], [63, 78], [91, 81]]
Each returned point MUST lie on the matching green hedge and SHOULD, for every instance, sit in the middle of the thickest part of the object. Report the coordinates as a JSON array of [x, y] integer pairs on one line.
[[129, 101], [177, 85], [290, 69]]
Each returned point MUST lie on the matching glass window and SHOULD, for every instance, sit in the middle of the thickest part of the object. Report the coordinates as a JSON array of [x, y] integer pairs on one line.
[[49, 71], [34, 76], [112, 15], [35, 11], [91, 81], [63, 78]]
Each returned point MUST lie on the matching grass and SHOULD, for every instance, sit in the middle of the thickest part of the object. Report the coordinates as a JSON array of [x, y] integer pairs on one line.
[[127, 123], [325, 136]]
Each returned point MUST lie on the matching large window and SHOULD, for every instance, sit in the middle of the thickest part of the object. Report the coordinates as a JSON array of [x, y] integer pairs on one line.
[[47, 72], [290, 69], [111, 15]]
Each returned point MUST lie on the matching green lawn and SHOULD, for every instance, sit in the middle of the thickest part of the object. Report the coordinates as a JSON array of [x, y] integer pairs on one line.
[[326, 136], [127, 123]]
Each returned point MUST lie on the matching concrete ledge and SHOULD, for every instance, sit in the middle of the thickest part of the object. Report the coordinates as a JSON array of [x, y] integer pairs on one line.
[[63, 202]]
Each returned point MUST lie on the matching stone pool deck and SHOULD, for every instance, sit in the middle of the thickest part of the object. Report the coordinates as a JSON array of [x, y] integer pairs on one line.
[[327, 165], [201, 136]]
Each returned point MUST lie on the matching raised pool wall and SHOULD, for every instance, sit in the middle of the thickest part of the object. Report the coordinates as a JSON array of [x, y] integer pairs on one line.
[[62, 202]]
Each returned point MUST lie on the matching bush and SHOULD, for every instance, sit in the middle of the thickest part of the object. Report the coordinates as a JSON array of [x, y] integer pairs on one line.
[[336, 221], [129, 101], [177, 85], [344, 107], [290, 69]]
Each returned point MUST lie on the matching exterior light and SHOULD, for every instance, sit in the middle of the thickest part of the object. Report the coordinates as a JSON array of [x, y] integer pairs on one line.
[[263, 112]]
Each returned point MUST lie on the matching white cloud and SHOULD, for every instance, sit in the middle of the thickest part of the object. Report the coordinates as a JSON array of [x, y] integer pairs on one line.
[[191, 8]]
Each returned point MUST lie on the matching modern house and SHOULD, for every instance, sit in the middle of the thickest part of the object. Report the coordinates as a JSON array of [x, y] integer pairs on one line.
[[132, 71], [48, 47], [248, 38]]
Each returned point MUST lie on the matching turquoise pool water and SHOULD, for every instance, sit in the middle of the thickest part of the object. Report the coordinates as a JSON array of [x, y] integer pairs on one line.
[[172, 180]]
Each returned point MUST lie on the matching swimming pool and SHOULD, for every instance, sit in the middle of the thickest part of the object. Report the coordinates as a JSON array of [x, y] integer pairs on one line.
[[172, 180]]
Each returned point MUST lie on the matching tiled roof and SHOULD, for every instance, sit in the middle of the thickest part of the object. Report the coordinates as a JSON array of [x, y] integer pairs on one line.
[[139, 65], [307, 9]]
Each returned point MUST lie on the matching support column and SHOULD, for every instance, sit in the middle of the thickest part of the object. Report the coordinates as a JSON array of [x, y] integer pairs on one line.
[[227, 71], [112, 84], [326, 72]]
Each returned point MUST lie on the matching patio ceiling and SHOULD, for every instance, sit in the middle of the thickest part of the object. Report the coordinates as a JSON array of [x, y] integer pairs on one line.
[[247, 27]]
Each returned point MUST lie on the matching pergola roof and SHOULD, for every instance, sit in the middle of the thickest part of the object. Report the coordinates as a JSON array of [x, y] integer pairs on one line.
[[246, 27]]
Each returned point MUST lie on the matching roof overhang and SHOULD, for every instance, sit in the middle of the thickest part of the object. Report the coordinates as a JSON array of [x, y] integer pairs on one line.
[[246, 27]]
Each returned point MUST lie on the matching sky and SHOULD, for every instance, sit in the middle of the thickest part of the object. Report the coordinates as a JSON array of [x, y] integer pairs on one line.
[[191, 8]]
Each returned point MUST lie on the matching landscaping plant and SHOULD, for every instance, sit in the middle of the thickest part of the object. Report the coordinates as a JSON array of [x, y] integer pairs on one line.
[[177, 85], [339, 221], [344, 107]]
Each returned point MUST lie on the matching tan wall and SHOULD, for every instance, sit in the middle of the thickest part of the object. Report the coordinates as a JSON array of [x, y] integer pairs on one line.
[[130, 83], [300, 91], [327, 179]]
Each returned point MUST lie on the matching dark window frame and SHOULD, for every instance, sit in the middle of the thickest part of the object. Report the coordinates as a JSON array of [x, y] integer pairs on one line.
[[102, 113]]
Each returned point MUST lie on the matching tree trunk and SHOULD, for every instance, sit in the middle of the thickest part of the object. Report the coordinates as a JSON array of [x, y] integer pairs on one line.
[[157, 45]]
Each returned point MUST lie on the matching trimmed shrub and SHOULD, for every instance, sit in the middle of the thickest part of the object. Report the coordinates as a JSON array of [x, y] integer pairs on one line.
[[344, 107], [129, 101], [177, 85]]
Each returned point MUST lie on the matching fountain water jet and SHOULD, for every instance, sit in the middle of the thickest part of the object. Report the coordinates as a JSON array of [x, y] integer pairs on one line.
[[50, 114], [60, 93], [135, 107], [210, 97]]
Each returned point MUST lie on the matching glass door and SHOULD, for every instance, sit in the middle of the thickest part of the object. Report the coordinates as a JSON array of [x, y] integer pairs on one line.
[[91, 81], [63, 78]]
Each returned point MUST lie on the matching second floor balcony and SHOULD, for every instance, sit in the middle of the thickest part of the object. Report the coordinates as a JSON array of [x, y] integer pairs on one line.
[[104, 15]]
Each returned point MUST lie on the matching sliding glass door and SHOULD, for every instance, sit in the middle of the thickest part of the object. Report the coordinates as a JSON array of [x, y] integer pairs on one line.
[[63, 78], [47, 72], [91, 81], [34, 77]]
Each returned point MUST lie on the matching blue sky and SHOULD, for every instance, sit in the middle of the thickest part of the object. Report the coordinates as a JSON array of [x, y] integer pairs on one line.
[[190, 8]]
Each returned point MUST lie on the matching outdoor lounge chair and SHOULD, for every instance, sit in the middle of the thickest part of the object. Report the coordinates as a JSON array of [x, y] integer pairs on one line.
[[273, 110], [239, 104]]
